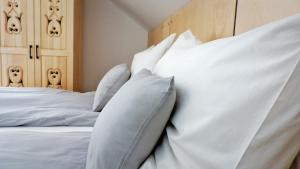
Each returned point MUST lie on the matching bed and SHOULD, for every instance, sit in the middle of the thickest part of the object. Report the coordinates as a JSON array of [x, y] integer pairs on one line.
[[48, 128], [44, 147], [45, 107], [30, 132]]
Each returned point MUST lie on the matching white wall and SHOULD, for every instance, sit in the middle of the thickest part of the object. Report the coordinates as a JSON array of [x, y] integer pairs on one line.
[[150, 13], [110, 37]]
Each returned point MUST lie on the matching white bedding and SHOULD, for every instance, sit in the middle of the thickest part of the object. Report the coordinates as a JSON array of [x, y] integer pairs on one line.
[[45, 107], [44, 147]]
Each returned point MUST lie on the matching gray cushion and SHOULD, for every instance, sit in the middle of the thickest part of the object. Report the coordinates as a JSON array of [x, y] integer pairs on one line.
[[109, 85], [131, 123]]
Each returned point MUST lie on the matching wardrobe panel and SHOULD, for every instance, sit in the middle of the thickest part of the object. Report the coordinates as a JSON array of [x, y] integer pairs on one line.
[[14, 20], [14, 70], [54, 72], [54, 38], [37, 36], [53, 19], [16, 40]]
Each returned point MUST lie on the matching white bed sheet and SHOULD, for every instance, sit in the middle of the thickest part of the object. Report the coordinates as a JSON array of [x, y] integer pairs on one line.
[[43, 107], [44, 147]]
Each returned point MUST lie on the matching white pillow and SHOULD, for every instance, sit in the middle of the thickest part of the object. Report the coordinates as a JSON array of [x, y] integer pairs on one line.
[[238, 102], [148, 58], [183, 43]]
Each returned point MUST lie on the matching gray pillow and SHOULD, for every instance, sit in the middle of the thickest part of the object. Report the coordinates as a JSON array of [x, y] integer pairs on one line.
[[113, 80], [131, 123]]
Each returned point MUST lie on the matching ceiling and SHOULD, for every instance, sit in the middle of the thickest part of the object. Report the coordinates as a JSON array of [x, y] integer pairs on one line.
[[150, 13]]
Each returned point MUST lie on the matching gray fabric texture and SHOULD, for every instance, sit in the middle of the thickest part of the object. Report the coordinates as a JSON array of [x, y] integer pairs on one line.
[[113, 80], [131, 123], [43, 148], [45, 107]]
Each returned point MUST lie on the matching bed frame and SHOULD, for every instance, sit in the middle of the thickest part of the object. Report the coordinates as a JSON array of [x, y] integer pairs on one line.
[[214, 19]]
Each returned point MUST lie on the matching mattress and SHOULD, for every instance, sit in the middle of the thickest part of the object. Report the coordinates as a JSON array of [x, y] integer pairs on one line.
[[44, 147]]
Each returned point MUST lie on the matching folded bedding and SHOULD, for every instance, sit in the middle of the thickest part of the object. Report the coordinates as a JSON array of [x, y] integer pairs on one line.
[[44, 147], [45, 107]]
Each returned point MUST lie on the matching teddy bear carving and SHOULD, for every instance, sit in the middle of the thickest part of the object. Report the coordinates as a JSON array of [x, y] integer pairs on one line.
[[15, 76], [54, 26], [54, 78], [54, 19], [13, 18]]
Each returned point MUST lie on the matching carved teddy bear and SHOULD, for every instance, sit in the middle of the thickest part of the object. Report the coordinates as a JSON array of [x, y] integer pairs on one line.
[[54, 19], [54, 78], [13, 18], [15, 76], [54, 26]]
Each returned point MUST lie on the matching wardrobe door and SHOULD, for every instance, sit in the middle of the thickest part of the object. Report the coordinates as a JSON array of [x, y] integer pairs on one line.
[[16, 43], [53, 42]]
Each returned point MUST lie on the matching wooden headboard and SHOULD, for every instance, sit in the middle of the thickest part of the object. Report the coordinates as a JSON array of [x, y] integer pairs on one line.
[[214, 19]]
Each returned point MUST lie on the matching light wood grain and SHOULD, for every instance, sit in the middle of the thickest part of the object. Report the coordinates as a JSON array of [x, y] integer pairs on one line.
[[78, 51], [16, 40], [14, 48], [51, 48], [208, 20], [159, 33], [54, 62], [254, 13], [14, 60], [213, 19], [49, 51]]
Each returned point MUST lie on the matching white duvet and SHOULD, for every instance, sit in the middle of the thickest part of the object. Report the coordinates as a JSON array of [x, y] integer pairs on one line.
[[45, 107], [44, 147]]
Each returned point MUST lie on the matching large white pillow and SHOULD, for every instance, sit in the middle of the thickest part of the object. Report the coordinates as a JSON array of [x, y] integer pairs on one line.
[[238, 102], [148, 58]]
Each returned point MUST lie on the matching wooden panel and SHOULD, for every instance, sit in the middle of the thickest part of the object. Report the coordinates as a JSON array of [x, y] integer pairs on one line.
[[55, 36], [54, 72], [77, 48], [53, 28], [50, 31], [14, 20], [14, 71], [159, 33], [208, 20], [16, 34], [254, 13]]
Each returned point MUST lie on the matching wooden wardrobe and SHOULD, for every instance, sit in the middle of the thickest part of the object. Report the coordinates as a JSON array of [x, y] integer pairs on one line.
[[40, 43]]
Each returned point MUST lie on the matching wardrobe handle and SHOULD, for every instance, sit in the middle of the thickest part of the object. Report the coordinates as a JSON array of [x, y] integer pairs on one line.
[[30, 52], [37, 52]]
